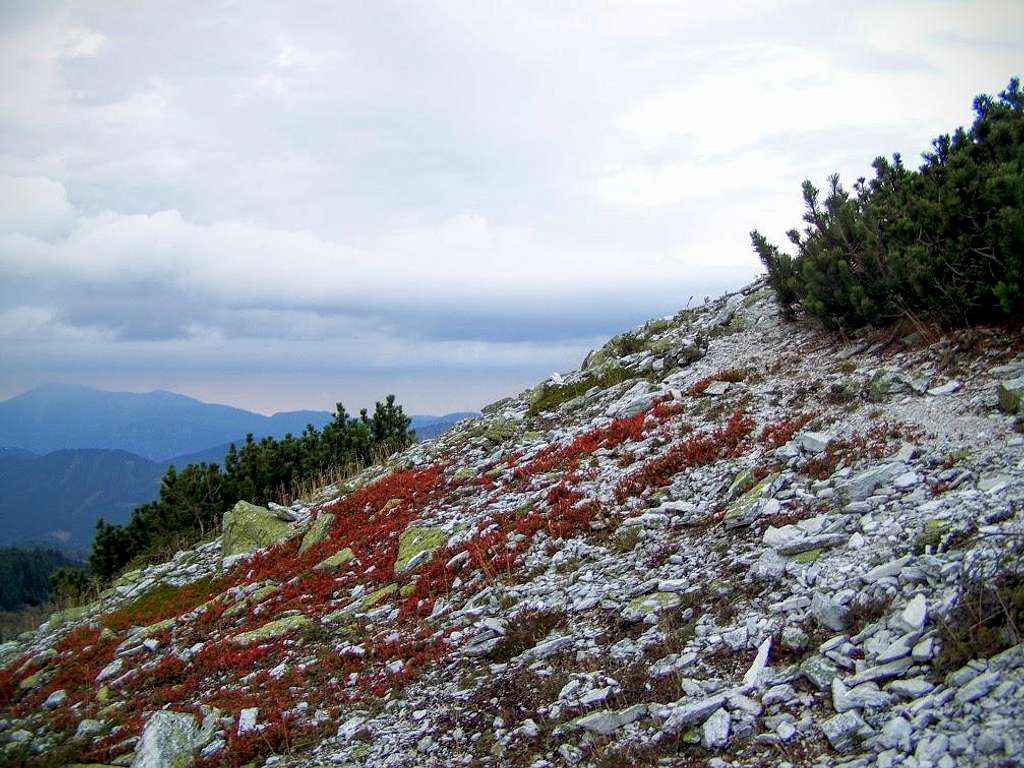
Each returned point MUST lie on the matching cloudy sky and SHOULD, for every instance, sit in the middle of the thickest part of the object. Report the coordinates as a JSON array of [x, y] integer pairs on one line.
[[281, 205]]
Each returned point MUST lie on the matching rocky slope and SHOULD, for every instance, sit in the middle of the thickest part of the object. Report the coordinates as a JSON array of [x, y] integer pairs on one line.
[[724, 541]]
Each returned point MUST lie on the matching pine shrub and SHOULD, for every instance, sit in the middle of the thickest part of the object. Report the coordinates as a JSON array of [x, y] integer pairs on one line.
[[943, 243]]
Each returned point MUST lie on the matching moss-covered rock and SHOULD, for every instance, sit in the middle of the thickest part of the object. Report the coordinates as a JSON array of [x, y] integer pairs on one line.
[[416, 545], [157, 628], [316, 532], [655, 602], [67, 615], [378, 596], [1010, 395], [248, 528], [808, 556], [36, 679], [934, 532], [747, 508], [335, 561], [500, 430], [272, 630], [255, 598]]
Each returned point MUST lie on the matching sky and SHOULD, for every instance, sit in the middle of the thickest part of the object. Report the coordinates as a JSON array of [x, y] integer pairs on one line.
[[284, 205]]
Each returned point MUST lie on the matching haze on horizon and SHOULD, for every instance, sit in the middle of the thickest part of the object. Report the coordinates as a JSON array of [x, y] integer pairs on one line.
[[278, 207]]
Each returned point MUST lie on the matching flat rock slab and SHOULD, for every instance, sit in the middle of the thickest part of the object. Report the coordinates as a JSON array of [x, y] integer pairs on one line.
[[807, 543]]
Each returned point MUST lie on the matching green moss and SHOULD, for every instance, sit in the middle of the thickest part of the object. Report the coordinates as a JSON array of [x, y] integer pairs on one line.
[[932, 535], [497, 431], [335, 561], [414, 540], [317, 532], [36, 679], [807, 557], [255, 598], [655, 602], [248, 527], [378, 596], [955, 457], [1010, 394], [157, 628], [273, 630], [549, 396], [68, 614]]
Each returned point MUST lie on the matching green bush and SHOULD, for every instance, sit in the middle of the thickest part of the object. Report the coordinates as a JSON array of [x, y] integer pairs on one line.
[[943, 243]]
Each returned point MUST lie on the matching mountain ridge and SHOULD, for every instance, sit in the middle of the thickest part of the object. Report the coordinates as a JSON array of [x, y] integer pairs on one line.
[[725, 540]]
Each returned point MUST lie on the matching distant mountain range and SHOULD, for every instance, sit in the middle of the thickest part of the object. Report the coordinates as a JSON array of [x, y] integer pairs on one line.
[[156, 425], [72, 454]]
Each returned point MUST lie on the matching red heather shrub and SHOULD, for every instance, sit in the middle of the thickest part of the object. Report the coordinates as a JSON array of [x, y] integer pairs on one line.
[[76, 671], [568, 456], [667, 409], [697, 449], [729, 374], [781, 432], [11, 677], [879, 441]]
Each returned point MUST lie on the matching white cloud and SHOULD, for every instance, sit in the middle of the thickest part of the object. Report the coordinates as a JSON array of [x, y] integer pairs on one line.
[[457, 183], [35, 206]]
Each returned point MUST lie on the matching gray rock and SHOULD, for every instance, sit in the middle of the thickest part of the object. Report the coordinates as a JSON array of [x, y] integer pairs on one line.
[[980, 686], [914, 688], [755, 674], [607, 722], [778, 694], [845, 731], [55, 699], [863, 485], [990, 742], [885, 671], [945, 389], [819, 672], [931, 750], [770, 566], [864, 696], [546, 648], [247, 719], [896, 734], [828, 612], [886, 570], [113, 668], [166, 742], [715, 731], [806, 544], [813, 442], [794, 638], [351, 728], [915, 614], [88, 728], [687, 714]]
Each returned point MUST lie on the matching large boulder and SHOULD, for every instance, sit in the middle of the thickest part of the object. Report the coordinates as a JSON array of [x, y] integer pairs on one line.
[[248, 528], [167, 741]]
